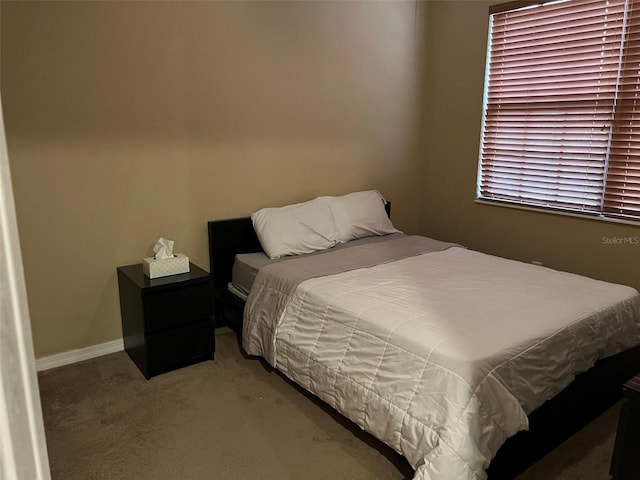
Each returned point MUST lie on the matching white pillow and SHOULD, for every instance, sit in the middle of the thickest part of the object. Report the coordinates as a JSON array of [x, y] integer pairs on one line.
[[360, 214], [295, 229]]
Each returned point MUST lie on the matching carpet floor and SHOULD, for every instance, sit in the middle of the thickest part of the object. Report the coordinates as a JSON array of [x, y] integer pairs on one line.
[[235, 418]]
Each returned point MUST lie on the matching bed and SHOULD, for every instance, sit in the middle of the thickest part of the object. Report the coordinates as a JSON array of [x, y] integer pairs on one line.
[[478, 398]]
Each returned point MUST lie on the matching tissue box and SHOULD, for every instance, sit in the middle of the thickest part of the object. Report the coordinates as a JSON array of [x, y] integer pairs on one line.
[[162, 267]]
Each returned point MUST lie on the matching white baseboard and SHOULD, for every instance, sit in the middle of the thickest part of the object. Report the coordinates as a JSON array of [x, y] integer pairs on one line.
[[73, 356]]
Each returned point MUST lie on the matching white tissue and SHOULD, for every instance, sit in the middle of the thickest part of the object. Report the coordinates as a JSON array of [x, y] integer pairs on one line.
[[163, 249]]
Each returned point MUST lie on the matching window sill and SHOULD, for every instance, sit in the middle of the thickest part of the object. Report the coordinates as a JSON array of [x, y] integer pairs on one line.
[[558, 212]]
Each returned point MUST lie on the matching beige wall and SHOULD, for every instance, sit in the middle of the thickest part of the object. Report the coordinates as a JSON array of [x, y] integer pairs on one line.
[[456, 47], [131, 120], [127, 121]]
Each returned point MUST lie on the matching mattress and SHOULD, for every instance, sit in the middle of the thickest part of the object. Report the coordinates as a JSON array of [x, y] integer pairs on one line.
[[245, 269], [440, 353]]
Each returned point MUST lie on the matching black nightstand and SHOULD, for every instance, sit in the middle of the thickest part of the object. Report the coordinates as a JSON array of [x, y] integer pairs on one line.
[[625, 464], [167, 322]]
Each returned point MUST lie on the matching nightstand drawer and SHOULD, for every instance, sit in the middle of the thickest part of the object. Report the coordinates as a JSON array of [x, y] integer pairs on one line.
[[179, 347], [177, 307]]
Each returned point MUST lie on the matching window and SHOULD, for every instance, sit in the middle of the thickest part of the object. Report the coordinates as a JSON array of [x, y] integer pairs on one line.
[[561, 119]]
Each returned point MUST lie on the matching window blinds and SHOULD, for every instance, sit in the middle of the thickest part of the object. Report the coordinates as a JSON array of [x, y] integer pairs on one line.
[[558, 125]]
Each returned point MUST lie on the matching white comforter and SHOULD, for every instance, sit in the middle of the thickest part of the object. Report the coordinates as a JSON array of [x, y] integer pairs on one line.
[[442, 355]]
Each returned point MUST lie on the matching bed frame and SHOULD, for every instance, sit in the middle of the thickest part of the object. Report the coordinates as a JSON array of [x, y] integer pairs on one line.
[[587, 397]]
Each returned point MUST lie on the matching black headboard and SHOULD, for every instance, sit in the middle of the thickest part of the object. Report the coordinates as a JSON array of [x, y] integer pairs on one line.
[[226, 239]]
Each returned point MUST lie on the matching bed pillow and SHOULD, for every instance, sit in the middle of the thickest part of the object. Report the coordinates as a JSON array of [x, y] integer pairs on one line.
[[360, 214], [295, 229]]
